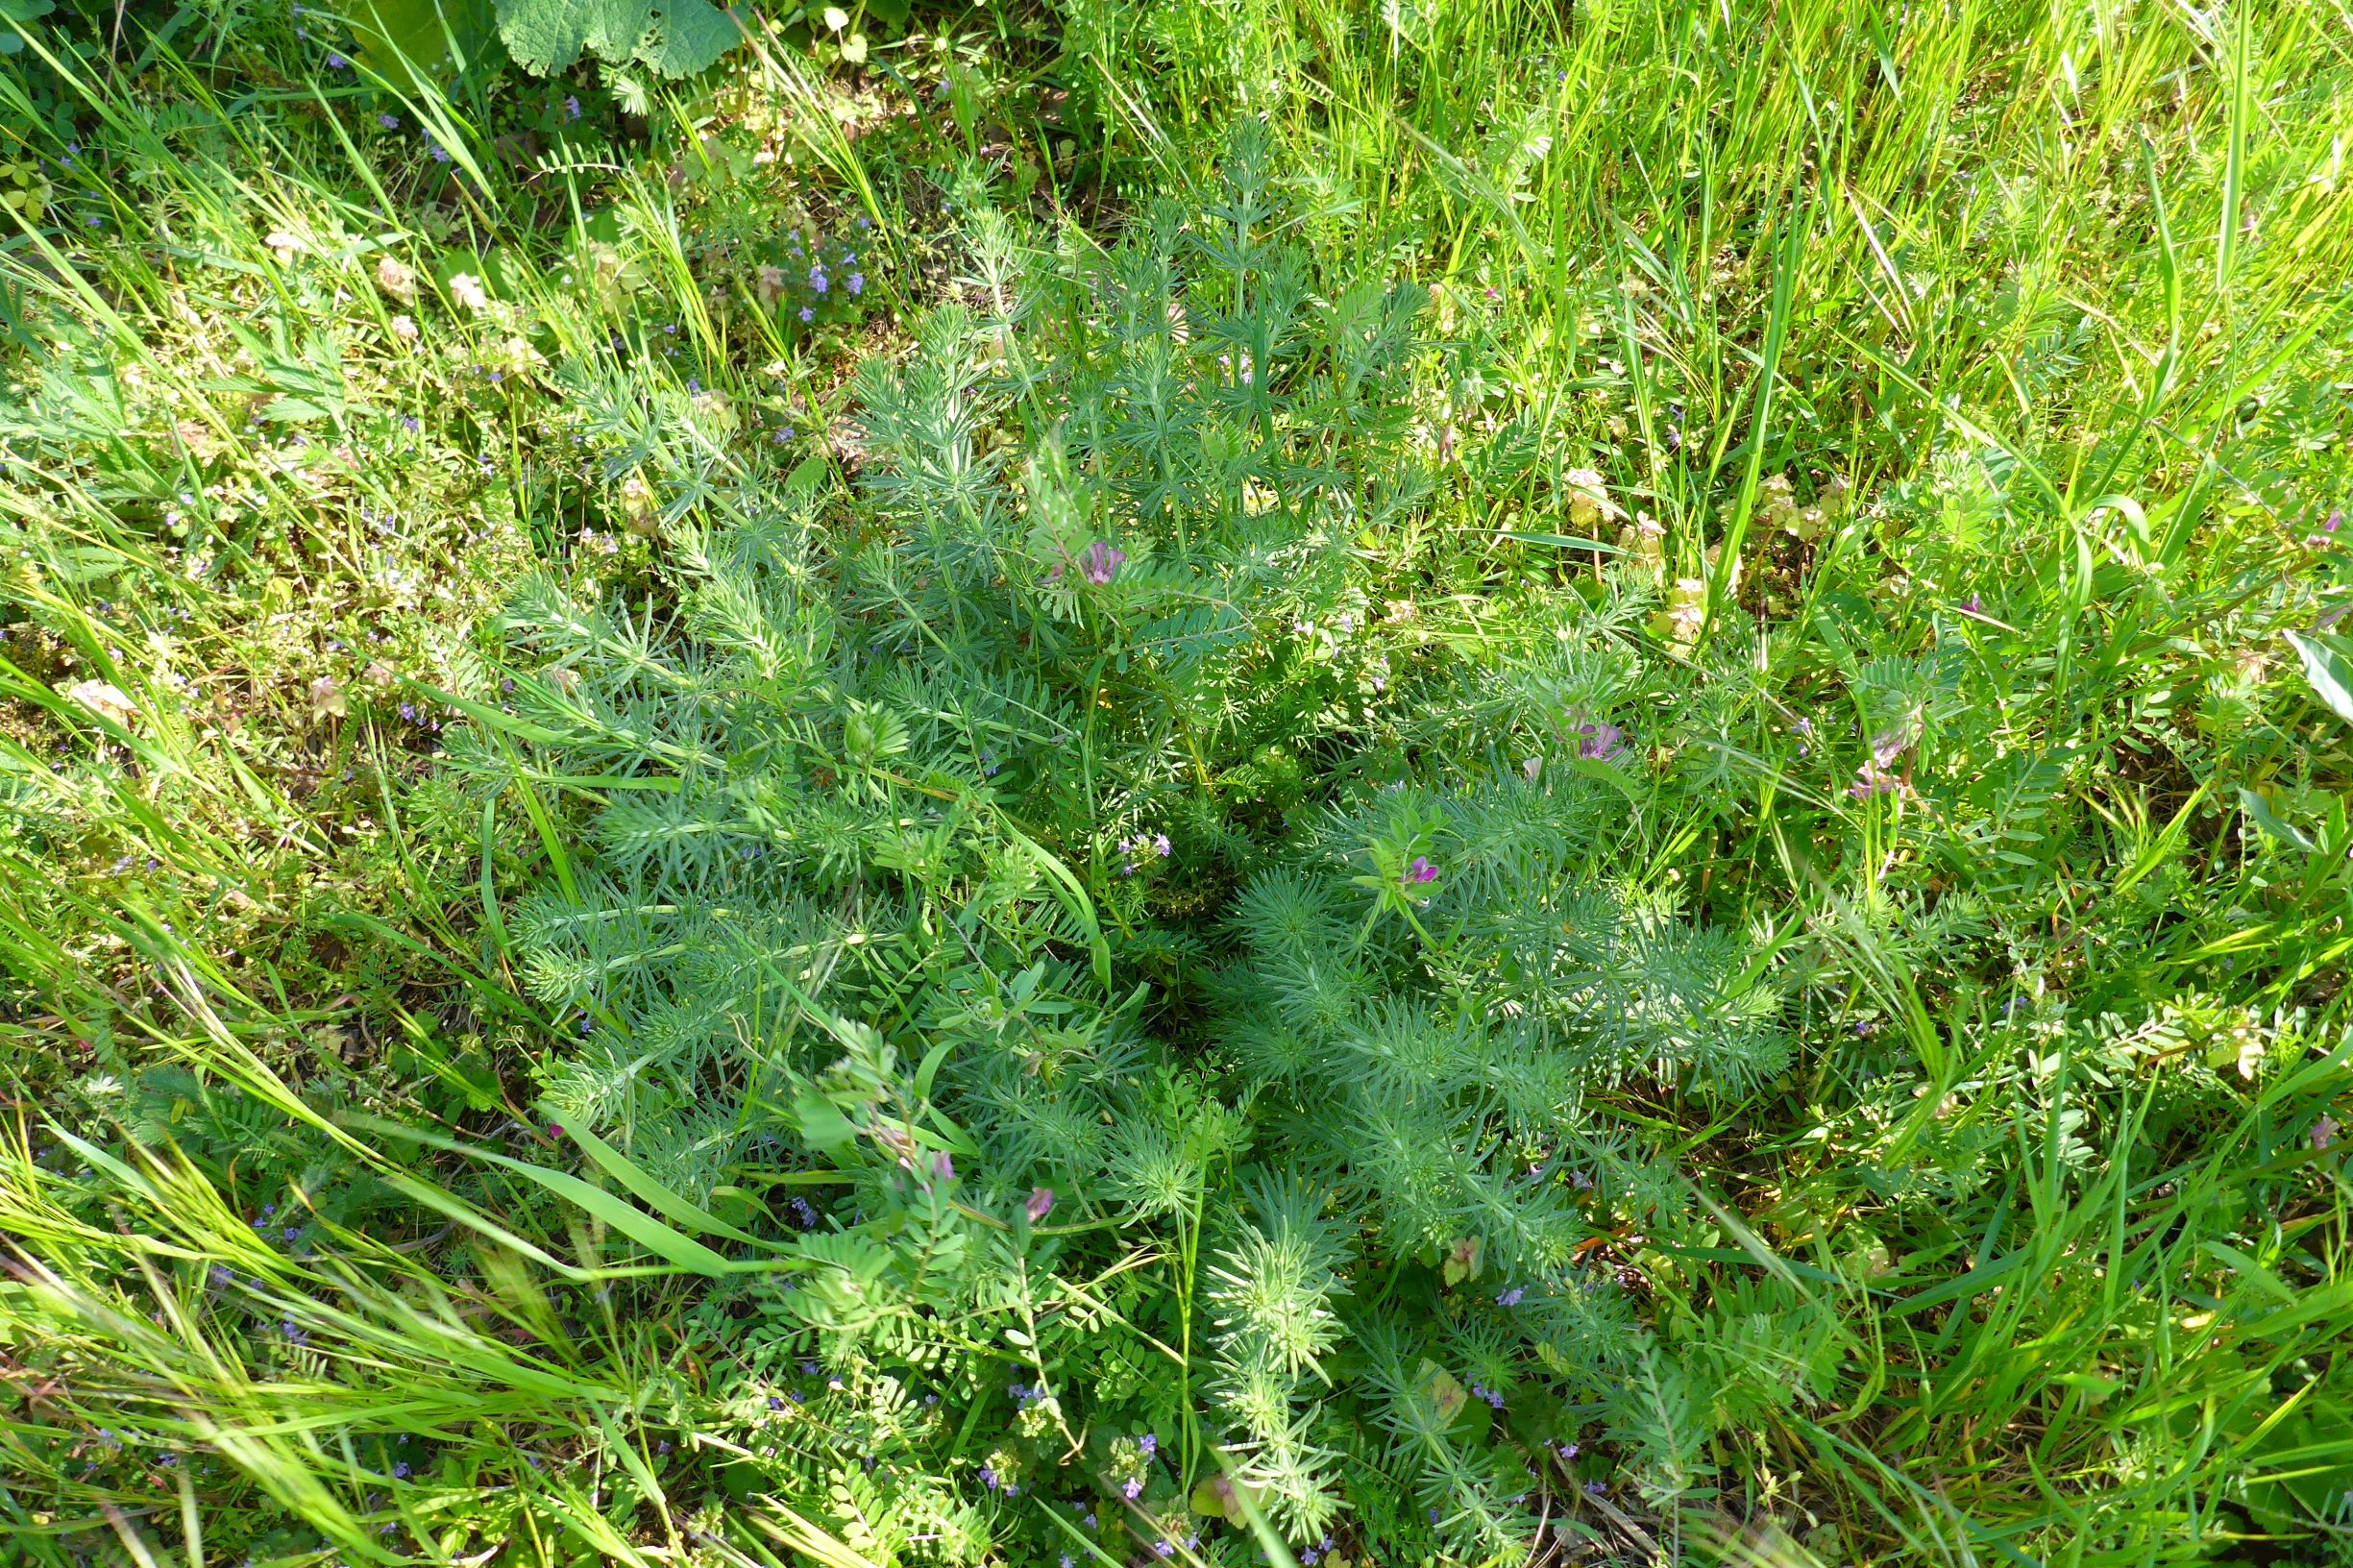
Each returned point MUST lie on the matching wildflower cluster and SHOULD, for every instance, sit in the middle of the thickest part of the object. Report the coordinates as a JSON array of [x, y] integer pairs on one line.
[[808, 281], [1141, 849]]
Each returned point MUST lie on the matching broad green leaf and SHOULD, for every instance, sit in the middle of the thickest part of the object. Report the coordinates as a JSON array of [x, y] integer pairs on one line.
[[2328, 669], [2259, 812]]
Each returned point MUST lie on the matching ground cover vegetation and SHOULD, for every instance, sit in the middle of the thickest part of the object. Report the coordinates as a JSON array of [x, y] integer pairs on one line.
[[1196, 780]]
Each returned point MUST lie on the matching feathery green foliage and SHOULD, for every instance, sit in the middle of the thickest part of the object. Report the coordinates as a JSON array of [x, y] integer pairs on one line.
[[1227, 783]]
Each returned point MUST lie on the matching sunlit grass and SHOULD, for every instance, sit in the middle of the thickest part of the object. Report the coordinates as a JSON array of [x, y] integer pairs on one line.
[[1979, 371]]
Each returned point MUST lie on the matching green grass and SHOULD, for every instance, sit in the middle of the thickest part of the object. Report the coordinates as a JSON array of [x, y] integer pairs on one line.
[[1914, 429]]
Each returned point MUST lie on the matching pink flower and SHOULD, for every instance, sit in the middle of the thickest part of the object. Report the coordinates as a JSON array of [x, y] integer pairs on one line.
[[1420, 871], [1872, 779], [1601, 742], [1041, 1203], [1101, 562]]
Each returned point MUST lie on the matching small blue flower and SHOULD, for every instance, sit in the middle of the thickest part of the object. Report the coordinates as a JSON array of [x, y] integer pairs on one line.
[[807, 314], [571, 108], [337, 62], [857, 283], [390, 122]]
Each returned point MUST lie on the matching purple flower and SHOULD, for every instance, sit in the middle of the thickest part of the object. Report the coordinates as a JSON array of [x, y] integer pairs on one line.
[[1601, 742], [1163, 1549], [1160, 844], [337, 62], [390, 122], [1511, 1297], [942, 1168], [988, 1478], [1872, 779], [571, 108], [807, 314], [1975, 605], [1149, 1442], [1133, 1490], [1420, 871], [400, 1471], [857, 283], [1101, 562], [441, 154], [818, 280], [1041, 1203]]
